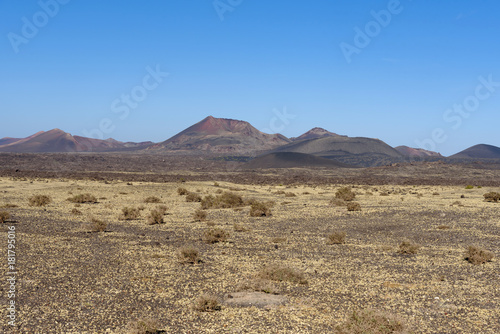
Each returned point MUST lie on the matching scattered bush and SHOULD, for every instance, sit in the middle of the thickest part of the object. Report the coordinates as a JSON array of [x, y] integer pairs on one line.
[[345, 193], [478, 255], [188, 255], [259, 285], [224, 201], [129, 214], [200, 215], [193, 197], [353, 206], [97, 225], [336, 238], [207, 303], [143, 326], [76, 212], [282, 273], [39, 200], [215, 235], [83, 198], [155, 217], [492, 197], [373, 322], [4, 215], [408, 247], [152, 199], [182, 191], [338, 202], [260, 209]]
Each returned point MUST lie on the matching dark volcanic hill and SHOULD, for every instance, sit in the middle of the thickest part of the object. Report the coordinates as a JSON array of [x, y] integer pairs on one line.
[[291, 160], [417, 152], [315, 133], [221, 135], [481, 151], [57, 140], [352, 151]]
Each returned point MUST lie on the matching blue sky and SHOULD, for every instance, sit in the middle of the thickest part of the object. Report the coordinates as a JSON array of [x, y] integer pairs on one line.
[[421, 73]]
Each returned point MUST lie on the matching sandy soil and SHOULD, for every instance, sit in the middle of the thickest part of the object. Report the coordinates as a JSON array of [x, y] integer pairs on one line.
[[71, 280]]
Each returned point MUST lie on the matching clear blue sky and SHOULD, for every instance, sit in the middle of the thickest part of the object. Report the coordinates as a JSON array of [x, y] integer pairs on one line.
[[72, 70]]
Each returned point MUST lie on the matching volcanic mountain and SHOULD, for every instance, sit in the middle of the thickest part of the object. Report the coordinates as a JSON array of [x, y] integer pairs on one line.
[[221, 135], [417, 152], [291, 160], [350, 150], [315, 133], [481, 151], [57, 140]]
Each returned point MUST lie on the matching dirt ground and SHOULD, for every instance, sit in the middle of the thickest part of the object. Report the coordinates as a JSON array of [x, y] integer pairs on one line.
[[71, 280]]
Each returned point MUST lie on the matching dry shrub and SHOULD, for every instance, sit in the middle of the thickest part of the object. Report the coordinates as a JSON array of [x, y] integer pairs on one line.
[[155, 217], [215, 235], [435, 194], [200, 215], [478, 255], [182, 191], [83, 198], [408, 247], [152, 199], [219, 191], [282, 273], [345, 193], [4, 215], [260, 209], [353, 206], [290, 194], [280, 192], [162, 208], [222, 201], [76, 212], [278, 240], [443, 227], [129, 213], [372, 322], [97, 225], [39, 200], [188, 254], [336, 238], [193, 197], [257, 284], [239, 228], [143, 326], [338, 202], [207, 303], [492, 197]]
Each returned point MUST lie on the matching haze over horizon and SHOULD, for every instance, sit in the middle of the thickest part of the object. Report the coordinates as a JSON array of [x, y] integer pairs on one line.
[[406, 72]]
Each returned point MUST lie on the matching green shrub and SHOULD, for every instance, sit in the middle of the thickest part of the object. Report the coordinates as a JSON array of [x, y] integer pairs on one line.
[[469, 187], [83, 198], [39, 200]]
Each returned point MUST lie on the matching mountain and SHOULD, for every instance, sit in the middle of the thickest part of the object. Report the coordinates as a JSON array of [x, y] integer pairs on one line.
[[221, 135], [353, 151], [291, 160], [57, 140], [417, 152], [481, 151], [315, 133]]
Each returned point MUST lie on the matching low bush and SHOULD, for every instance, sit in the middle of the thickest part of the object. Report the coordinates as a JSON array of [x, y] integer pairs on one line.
[[290, 194], [282, 273], [155, 217], [200, 215], [372, 322], [338, 202], [193, 197], [76, 212], [4, 216], [207, 303], [162, 208], [478, 255], [182, 191], [129, 213], [39, 200], [258, 284], [188, 254], [143, 326], [469, 187], [152, 199], [353, 206], [408, 247], [260, 209], [492, 197], [215, 235], [97, 225], [336, 238], [345, 193], [83, 198], [222, 201]]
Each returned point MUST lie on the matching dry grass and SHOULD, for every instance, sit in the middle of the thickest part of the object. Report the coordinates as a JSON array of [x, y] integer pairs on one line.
[[39, 200], [152, 199], [260, 209], [408, 247], [207, 303], [215, 235], [282, 273], [372, 322], [336, 238], [155, 217], [83, 198], [4, 216], [353, 206], [478, 255], [129, 214], [345, 193], [200, 215], [188, 254], [143, 326]]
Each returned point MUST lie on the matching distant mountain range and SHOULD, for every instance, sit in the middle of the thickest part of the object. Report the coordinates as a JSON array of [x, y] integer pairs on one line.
[[233, 137]]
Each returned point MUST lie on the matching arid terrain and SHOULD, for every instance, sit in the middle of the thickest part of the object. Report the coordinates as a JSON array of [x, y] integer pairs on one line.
[[73, 278]]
